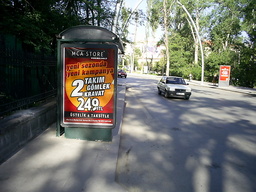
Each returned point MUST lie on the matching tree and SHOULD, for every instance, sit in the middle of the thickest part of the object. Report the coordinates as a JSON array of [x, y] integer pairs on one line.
[[246, 68], [229, 31], [166, 38], [36, 22], [226, 24], [180, 22], [161, 11]]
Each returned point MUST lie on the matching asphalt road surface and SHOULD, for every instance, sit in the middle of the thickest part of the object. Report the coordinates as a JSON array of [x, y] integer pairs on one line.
[[205, 144]]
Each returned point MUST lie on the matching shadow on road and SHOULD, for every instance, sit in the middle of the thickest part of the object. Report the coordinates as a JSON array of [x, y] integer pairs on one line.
[[206, 144]]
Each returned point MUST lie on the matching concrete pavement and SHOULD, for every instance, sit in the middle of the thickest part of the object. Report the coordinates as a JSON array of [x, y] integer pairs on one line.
[[245, 90], [50, 163], [192, 146]]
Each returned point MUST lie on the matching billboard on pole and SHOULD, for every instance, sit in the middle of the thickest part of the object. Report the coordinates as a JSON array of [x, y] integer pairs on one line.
[[224, 75]]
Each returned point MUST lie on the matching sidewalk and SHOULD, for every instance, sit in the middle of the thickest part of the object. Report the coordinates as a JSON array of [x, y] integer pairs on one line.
[[50, 163], [244, 90]]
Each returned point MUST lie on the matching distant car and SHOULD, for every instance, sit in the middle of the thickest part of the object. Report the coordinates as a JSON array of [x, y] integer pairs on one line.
[[121, 73], [172, 86]]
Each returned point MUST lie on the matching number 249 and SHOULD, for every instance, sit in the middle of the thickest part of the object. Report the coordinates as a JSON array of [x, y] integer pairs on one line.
[[89, 104]]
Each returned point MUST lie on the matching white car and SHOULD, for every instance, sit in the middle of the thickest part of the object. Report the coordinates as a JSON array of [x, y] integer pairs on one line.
[[172, 86]]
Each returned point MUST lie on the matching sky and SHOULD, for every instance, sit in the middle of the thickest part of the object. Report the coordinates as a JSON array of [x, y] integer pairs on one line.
[[141, 29], [133, 3]]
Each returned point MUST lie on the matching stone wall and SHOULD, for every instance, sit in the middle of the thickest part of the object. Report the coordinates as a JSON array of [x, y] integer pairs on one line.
[[17, 129]]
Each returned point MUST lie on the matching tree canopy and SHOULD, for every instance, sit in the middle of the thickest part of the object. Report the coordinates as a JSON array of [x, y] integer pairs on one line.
[[37, 22], [226, 27], [227, 30]]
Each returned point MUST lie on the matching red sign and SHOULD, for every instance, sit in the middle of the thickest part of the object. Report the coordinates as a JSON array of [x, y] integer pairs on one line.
[[89, 85], [224, 73]]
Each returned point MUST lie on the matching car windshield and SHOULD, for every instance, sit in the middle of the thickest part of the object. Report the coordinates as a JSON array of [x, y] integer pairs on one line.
[[175, 81]]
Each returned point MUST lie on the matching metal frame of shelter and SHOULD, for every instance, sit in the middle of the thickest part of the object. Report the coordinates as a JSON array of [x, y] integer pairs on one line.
[[83, 35]]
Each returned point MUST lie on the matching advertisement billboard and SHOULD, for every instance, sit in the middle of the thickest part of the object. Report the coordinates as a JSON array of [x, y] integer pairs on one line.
[[224, 76], [224, 73], [88, 85]]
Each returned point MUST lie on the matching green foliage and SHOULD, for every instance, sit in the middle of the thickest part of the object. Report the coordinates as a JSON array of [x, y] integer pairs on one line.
[[37, 22], [180, 55], [137, 54], [196, 72], [244, 73], [160, 67], [154, 12], [215, 59], [124, 17], [221, 23]]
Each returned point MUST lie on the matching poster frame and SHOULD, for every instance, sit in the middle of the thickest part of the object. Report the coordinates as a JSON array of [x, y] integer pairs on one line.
[[224, 79], [62, 92]]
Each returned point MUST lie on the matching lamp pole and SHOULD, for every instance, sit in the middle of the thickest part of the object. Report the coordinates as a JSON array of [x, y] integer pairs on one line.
[[135, 8], [199, 39], [194, 25]]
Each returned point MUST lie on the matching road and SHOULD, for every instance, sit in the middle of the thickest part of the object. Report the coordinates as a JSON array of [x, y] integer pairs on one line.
[[205, 144]]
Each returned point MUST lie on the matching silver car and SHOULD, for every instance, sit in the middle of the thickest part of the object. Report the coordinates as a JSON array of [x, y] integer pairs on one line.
[[172, 86]]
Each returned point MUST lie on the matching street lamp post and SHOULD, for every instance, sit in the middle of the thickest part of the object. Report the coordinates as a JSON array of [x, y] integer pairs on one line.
[[194, 25], [199, 39], [130, 16]]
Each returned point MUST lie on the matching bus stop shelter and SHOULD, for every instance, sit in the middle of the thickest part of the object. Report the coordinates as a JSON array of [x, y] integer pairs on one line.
[[87, 82]]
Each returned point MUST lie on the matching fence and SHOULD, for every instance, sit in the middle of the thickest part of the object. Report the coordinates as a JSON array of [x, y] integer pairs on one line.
[[24, 79]]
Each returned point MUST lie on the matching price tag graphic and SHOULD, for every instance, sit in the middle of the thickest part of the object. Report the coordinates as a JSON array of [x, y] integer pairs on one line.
[[89, 84]]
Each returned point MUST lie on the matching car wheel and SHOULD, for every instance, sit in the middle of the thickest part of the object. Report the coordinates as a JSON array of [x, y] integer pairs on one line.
[[186, 97], [159, 92], [166, 94]]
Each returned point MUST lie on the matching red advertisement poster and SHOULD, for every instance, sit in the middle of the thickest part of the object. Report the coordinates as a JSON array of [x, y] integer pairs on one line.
[[224, 73], [89, 85]]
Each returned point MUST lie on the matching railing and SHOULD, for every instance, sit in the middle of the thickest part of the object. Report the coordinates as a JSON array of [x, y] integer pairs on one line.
[[25, 79]]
